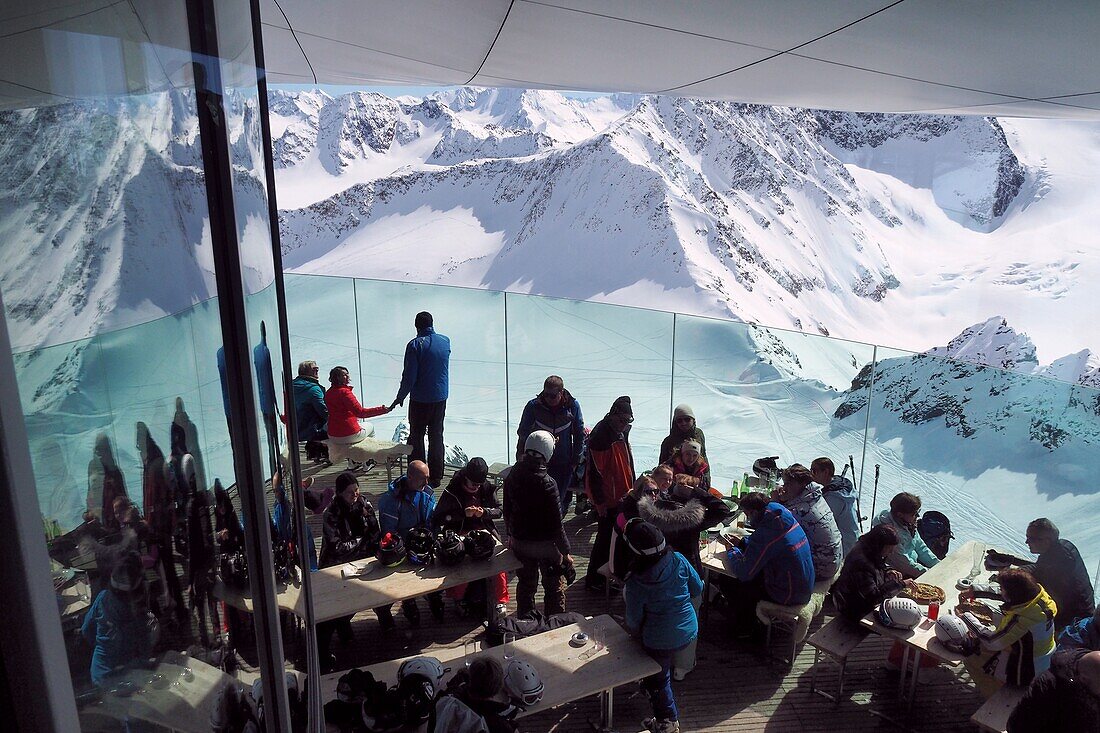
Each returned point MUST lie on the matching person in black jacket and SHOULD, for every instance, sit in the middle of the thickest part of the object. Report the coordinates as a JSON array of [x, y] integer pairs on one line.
[[532, 517], [469, 502], [559, 413], [1059, 569], [350, 532], [865, 581], [681, 515], [1064, 699]]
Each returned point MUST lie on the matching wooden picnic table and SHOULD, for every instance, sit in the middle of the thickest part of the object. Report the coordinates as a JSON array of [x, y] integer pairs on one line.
[[176, 701], [343, 590], [569, 673]]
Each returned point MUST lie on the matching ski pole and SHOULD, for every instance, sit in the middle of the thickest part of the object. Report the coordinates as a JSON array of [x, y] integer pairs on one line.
[[874, 496], [859, 493]]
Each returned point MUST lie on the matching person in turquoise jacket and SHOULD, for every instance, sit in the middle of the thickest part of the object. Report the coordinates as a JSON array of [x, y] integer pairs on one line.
[[912, 556], [119, 625], [658, 596], [406, 504]]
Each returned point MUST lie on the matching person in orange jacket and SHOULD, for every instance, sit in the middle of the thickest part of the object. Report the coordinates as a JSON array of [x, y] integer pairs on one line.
[[608, 476]]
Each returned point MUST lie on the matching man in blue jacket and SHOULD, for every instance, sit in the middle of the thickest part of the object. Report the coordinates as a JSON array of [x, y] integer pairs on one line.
[[406, 504], [773, 563], [425, 382], [559, 413], [840, 495]]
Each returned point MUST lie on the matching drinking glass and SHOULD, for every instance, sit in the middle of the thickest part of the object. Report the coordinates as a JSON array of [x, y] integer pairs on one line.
[[509, 646], [469, 651]]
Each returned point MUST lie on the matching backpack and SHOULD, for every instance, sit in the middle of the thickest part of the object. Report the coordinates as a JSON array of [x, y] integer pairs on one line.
[[935, 529]]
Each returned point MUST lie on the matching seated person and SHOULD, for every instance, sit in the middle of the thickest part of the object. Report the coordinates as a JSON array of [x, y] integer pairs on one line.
[[1059, 569], [840, 495], [1021, 647], [689, 467], [644, 487], [803, 498], [349, 532], [912, 556], [470, 502], [1064, 699], [865, 581], [119, 624], [480, 688], [773, 563], [310, 409], [1081, 634], [408, 503], [683, 428], [344, 410]]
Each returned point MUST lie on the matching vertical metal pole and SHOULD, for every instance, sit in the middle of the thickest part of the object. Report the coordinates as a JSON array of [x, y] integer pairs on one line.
[[358, 348], [507, 390], [244, 428], [672, 375], [35, 675], [867, 432], [294, 485]]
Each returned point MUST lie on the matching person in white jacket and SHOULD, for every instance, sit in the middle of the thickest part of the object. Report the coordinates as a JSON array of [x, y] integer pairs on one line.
[[803, 497], [912, 556]]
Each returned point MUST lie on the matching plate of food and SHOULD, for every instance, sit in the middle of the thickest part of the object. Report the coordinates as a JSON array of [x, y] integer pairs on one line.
[[925, 593], [982, 612]]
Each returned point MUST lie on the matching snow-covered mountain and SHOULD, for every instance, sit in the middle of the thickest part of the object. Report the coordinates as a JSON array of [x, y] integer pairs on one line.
[[892, 229]]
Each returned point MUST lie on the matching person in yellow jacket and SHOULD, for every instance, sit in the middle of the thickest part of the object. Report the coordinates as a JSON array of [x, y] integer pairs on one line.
[[1020, 648]]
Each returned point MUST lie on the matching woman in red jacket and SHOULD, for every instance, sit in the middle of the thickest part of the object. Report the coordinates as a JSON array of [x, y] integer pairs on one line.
[[344, 410]]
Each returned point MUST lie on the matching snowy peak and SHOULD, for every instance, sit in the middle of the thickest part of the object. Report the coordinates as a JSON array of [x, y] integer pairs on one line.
[[993, 343], [1081, 368]]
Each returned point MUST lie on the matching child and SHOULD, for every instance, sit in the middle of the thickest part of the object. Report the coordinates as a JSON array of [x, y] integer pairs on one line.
[[658, 609], [119, 624]]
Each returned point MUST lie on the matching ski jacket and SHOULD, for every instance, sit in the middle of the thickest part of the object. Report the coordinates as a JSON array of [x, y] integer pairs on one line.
[[1057, 701], [811, 511], [450, 510], [840, 495], [912, 556], [532, 510], [310, 410], [863, 584], [670, 446], [682, 519], [1021, 647], [778, 548], [427, 362], [348, 532], [344, 411], [282, 518], [695, 476], [1082, 634], [399, 509], [610, 470], [658, 603], [120, 632], [564, 422], [1061, 571]]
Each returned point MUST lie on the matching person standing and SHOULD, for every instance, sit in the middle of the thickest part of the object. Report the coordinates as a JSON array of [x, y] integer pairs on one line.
[[683, 428], [310, 410], [160, 516], [105, 484], [608, 475], [425, 381], [265, 386], [659, 610], [532, 516], [840, 495], [558, 412]]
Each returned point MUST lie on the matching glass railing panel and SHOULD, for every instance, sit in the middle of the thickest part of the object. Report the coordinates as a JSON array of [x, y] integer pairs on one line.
[[601, 352], [992, 449], [473, 320], [321, 315], [759, 392]]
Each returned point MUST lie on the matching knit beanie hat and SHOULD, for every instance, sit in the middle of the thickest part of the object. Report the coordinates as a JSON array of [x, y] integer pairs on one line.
[[683, 411], [344, 480], [643, 538], [621, 406], [693, 444], [486, 677], [477, 469], [542, 442]]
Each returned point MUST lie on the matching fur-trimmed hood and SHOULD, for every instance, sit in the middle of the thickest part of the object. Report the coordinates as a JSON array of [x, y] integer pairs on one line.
[[668, 515]]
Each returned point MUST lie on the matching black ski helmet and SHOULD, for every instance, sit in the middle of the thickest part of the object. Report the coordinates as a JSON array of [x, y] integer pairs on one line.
[[479, 544], [451, 550], [391, 550], [420, 546]]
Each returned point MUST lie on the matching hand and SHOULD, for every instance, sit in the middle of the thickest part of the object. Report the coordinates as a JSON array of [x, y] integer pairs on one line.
[[395, 403], [895, 576], [966, 596], [474, 511], [567, 560], [910, 584], [223, 535]]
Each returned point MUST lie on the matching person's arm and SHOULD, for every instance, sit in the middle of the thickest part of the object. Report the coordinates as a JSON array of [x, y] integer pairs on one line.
[[408, 375], [342, 547], [715, 509], [902, 563], [490, 504], [598, 460], [359, 411], [526, 423], [925, 556], [869, 589], [91, 620], [427, 508], [317, 402], [506, 507], [635, 610], [747, 560], [578, 431], [553, 509], [1010, 630], [704, 479], [388, 514]]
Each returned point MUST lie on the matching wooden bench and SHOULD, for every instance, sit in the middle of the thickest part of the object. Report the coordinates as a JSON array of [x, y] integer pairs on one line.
[[993, 715], [836, 639]]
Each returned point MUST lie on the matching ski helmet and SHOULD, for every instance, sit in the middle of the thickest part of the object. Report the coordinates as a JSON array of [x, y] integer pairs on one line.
[[479, 544], [899, 613], [235, 569], [766, 468], [429, 667], [451, 550], [522, 683], [420, 546], [383, 712], [391, 550], [952, 632]]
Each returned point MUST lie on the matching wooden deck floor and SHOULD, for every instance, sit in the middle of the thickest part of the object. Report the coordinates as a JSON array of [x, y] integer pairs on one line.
[[733, 688]]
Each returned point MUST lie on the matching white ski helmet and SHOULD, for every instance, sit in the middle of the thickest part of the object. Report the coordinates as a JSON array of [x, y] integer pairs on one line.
[[430, 667], [952, 632], [542, 442], [522, 683], [899, 613]]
